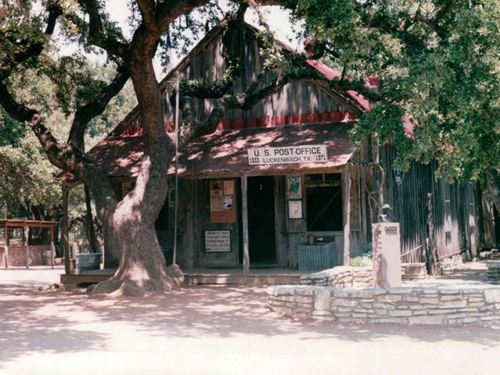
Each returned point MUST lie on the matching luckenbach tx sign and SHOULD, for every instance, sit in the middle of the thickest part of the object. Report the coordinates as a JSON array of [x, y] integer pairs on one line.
[[287, 155]]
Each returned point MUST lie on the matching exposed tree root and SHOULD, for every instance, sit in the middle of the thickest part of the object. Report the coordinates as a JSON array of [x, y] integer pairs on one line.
[[139, 284]]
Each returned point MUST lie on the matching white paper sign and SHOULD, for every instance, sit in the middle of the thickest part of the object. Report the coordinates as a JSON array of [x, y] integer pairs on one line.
[[218, 241], [287, 155]]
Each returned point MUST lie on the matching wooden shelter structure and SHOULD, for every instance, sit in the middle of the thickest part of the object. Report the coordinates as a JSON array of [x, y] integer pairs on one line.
[[275, 177], [26, 254]]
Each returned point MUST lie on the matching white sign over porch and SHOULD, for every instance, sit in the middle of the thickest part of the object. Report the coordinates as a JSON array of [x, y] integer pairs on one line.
[[287, 155]]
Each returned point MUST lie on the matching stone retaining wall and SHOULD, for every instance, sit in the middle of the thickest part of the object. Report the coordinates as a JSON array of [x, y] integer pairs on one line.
[[449, 264], [493, 271], [358, 277], [405, 305], [342, 277], [413, 271]]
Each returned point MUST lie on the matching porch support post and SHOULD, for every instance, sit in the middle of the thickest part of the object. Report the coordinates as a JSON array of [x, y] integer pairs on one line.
[[347, 212], [52, 247], [244, 216], [90, 221], [6, 238], [65, 231], [26, 245]]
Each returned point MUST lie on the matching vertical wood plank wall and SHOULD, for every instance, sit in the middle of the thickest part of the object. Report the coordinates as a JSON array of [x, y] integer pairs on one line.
[[408, 201], [294, 99]]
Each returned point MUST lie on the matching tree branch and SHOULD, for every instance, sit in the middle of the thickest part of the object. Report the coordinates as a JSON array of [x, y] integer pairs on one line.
[[55, 11], [33, 49], [231, 42], [99, 35], [147, 11], [58, 156], [94, 108], [358, 86], [167, 11], [15, 110]]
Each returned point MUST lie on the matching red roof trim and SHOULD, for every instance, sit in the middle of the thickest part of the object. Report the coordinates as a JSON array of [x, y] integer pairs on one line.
[[265, 122]]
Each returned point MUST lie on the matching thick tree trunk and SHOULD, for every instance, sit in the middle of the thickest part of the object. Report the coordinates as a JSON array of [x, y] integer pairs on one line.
[[105, 201], [141, 268], [89, 222], [142, 264], [111, 247]]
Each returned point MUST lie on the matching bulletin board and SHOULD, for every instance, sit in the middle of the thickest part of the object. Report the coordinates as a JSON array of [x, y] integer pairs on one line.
[[223, 201]]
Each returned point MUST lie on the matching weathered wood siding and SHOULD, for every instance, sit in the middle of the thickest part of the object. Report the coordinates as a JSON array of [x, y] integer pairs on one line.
[[453, 210], [200, 222], [490, 237], [298, 98]]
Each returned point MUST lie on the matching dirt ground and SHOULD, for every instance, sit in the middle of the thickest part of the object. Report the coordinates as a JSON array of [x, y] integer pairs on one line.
[[213, 330]]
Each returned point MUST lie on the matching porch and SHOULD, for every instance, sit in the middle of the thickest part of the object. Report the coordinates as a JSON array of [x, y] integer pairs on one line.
[[202, 276]]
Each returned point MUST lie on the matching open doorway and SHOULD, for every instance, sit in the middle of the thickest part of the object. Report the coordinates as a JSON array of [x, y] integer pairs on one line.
[[261, 229]]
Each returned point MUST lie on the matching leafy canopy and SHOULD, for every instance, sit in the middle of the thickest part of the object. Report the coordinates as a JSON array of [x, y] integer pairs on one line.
[[437, 61]]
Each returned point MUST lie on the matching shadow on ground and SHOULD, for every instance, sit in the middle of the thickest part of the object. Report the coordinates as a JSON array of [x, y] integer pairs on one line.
[[68, 322], [27, 325]]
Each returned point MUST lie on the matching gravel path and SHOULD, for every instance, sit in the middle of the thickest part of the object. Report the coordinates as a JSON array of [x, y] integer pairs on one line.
[[213, 330]]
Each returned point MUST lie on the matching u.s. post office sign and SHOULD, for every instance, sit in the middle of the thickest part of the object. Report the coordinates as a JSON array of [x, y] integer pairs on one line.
[[287, 155]]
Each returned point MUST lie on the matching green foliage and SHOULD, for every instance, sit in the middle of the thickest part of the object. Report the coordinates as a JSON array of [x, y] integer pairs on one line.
[[363, 260], [117, 109], [27, 179], [26, 176], [438, 63], [360, 261], [11, 132], [356, 262], [19, 23]]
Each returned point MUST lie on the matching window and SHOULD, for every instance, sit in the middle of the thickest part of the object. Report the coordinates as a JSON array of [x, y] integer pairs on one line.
[[324, 202]]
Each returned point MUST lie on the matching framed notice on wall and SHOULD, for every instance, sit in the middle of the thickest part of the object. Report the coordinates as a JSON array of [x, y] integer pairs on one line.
[[218, 241], [293, 187], [222, 201], [295, 209]]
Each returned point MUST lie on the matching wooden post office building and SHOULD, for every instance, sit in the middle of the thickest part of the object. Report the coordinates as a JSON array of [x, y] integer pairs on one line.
[[272, 177]]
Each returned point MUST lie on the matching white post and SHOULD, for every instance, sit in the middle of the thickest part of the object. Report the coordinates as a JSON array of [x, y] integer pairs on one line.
[[244, 215], [65, 231], [174, 256], [6, 236], [76, 250], [52, 247], [26, 246], [347, 213]]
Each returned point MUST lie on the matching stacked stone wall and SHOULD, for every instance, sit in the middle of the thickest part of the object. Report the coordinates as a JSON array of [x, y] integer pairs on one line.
[[449, 264], [413, 271], [358, 277], [493, 271], [406, 305], [342, 277]]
